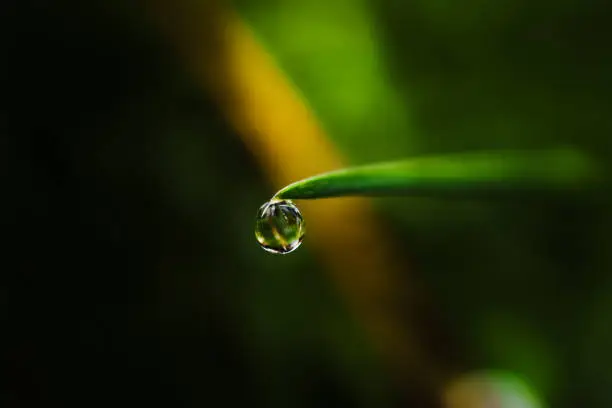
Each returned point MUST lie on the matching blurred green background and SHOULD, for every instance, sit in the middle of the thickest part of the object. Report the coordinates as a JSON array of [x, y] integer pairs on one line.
[[130, 274]]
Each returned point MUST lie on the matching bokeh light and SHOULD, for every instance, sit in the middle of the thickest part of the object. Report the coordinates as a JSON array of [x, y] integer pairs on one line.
[[491, 389]]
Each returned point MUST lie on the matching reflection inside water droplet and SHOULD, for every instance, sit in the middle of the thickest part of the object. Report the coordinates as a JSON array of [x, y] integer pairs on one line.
[[279, 227]]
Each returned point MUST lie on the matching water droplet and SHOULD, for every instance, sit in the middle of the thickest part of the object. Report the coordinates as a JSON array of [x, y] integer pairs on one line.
[[279, 227]]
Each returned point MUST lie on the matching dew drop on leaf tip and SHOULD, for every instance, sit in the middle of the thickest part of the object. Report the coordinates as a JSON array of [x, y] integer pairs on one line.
[[279, 227]]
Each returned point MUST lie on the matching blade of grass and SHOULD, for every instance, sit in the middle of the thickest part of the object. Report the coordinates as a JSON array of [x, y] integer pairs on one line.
[[481, 173]]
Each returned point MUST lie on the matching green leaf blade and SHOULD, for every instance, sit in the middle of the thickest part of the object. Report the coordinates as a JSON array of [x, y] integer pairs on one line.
[[466, 173]]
